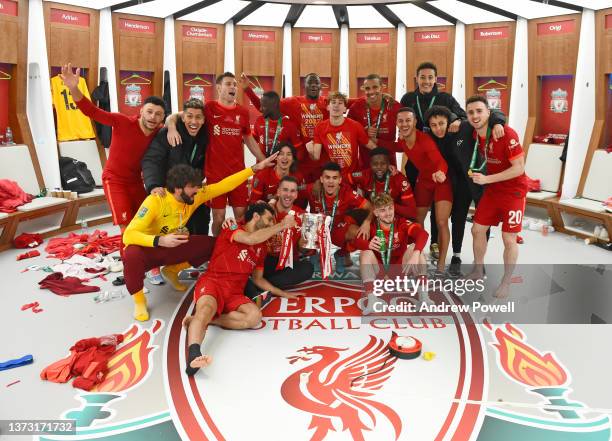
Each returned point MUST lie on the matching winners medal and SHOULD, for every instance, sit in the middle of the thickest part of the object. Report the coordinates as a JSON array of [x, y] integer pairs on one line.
[[482, 167]]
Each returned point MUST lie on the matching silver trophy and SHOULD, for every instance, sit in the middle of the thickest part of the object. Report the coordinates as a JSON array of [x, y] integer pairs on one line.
[[311, 222]]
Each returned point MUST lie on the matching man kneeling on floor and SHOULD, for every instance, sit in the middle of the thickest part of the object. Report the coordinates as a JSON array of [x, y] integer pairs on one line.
[[219, 293], [157, 235], [399, 249]]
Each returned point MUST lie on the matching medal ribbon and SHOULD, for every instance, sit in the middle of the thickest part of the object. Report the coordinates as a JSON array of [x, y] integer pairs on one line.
[[380, 115], [475, 154], [386, 255], [285, 257], [333, 213], [373, 192], [325, 245], [279, 127], [433, 99]]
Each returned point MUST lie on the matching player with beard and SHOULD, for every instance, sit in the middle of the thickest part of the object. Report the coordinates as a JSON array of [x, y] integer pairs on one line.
[[432, 184], [402, 250], [378, 114], [271, 128], [265, 182], [228, 128], [219, 293], [457, 149], [301, 270], [157, 235], [121, 178], [306, 111], [502, 173], [378, 178], [351, 213], [338, 138]]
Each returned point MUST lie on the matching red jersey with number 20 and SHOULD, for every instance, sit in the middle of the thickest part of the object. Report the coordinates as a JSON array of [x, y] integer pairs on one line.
[[233, 261], [226, 127], [499, 154]]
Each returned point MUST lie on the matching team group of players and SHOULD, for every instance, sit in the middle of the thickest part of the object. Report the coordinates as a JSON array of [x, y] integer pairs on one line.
[[330, 155]]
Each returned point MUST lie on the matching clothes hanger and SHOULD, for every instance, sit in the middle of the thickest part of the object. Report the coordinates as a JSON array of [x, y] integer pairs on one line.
[[492, 84], [129, 79], [204, 82], [4, 75]]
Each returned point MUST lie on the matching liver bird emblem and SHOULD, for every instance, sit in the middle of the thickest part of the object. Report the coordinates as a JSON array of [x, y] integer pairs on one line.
[[337, 389]]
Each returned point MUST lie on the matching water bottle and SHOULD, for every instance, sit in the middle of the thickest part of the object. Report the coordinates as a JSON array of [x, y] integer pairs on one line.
[[9, 136], [381, 235], [109, 296]]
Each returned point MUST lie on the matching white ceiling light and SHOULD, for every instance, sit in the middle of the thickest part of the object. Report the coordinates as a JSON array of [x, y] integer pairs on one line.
[[219, 12], [317, 17], [366, 17], [270, 14]]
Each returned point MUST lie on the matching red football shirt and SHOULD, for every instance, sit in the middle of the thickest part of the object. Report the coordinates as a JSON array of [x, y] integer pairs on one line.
[[286, 132], [276, 241], [234, 262], [404, 234], [398, 187], [340, 144], [128, 145], [424, 155], [347, 199], [265, 184], [499, 154], [386, 129], [226, 127]]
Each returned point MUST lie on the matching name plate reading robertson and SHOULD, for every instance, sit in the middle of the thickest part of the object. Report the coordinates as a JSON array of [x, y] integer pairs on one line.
[[496, 33]]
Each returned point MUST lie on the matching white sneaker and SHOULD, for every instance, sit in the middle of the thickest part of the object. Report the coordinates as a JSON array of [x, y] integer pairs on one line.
[[154, 276]]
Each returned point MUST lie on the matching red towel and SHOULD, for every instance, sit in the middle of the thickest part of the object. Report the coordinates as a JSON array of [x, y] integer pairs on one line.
[[27, 240], [12, 196], [64, 286]]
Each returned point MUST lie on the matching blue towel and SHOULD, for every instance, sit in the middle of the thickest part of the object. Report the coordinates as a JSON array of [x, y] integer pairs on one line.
[[10, 364]]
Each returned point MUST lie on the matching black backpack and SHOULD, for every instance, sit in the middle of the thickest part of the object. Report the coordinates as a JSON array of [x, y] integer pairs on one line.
[[75, 175]]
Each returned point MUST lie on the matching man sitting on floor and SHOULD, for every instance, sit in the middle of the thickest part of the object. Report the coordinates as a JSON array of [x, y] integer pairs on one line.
[[401, 251], [157, 235], [219, 293], [300, 270]]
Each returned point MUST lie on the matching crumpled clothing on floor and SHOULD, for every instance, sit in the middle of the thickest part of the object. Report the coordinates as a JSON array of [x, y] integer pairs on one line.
[[82, 267], [99, 242], [65, 286], [88, 362]]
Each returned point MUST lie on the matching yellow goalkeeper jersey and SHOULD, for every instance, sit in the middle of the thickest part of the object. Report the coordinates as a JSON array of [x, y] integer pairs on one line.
[[71, 123], [161, 215]]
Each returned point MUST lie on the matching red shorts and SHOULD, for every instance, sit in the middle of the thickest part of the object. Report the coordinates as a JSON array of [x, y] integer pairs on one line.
[[494, 208], [238, 197], [124, 199], [427, 191], [228, 296]]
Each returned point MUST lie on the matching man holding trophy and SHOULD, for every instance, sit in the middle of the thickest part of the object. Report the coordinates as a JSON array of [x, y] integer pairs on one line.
[[282, 267]]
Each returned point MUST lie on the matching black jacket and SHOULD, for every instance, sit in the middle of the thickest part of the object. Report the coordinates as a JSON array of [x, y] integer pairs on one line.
[[458, 148], [160, 156], [442, 99], [101, 97]]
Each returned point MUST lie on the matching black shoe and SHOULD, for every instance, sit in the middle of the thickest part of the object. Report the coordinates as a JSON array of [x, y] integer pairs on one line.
[[119, 281], [455, 266]]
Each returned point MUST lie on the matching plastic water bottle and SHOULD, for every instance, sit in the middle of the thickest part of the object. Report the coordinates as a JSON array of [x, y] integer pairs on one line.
[[109, 296], [9, 136]]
